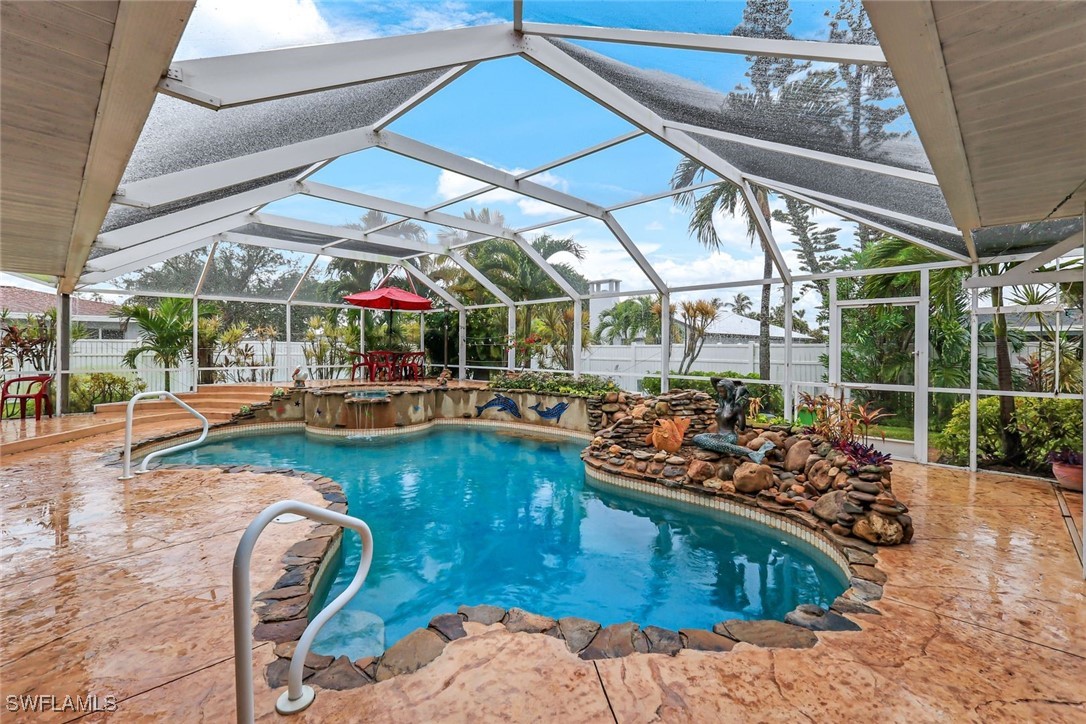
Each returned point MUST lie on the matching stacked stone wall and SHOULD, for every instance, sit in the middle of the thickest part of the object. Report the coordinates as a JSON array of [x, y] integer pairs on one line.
[[804, 476]]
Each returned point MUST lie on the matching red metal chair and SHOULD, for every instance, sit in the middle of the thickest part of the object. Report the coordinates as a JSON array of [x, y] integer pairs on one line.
[[37, 390]]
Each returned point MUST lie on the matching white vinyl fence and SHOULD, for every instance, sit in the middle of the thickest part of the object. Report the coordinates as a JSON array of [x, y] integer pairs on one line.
[[627, 364]]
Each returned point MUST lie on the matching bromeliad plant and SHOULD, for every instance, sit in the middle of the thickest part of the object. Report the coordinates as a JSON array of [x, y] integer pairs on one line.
[[860, 454], [835, 419]]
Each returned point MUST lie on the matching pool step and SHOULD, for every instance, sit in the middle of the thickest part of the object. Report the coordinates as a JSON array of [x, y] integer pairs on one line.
[[106, 424], [210, 399]]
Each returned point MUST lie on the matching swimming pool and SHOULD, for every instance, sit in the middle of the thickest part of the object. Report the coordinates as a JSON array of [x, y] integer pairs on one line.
[[469, 516]]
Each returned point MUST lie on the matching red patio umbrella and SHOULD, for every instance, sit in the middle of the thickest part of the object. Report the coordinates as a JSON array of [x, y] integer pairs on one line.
[[390, 298]]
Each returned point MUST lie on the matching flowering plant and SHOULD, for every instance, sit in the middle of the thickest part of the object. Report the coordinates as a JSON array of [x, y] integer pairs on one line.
[[1066, 455]]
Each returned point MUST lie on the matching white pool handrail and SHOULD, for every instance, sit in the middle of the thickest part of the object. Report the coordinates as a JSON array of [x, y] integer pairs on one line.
[[297, 696], [127, 474]]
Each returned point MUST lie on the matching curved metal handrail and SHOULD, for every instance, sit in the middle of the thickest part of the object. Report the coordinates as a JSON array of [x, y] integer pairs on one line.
[[127, 475], [297, 696]]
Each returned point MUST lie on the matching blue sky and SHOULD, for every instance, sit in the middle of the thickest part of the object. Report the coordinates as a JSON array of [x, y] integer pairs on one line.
[[509, 114]]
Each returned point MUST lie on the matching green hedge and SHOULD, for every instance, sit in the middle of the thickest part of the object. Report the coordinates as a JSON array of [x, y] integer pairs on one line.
[[772, 396], [1045, 425], [554, 383], [86, 391]]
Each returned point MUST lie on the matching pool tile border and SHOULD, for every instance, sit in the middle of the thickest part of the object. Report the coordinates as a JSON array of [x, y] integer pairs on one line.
[[753, 514]]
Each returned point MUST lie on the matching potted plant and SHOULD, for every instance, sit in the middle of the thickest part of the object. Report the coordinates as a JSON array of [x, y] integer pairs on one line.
[[1067, 467]]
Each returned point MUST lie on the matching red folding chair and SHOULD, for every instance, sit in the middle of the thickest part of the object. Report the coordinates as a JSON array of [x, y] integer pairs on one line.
[[37, 390]]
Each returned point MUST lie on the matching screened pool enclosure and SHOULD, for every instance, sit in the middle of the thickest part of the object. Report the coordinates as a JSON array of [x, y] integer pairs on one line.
[[824, 188]]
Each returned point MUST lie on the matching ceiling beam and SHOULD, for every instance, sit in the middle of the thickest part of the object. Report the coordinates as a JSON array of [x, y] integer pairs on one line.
[[552, 60], [635, 253], [478, 276], [765, 231], [166, 224], [847, 161], [906, 218], [437, 288], [910, 39], [145, 37], [407, 211], [366, 201], [234, 80], [481, 172], [1025, 272], [846, 53], [191, 182], [139, 258], [175, 240], [304, 248], [443, 80], [860, 219], [344, 232]]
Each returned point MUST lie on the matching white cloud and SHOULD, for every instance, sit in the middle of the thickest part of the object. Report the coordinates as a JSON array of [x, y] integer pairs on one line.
[[450, 185], [654, 226], [424, 17], [223, 27]]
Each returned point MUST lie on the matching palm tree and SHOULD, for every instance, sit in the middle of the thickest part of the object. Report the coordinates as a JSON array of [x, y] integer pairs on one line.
[[165, 332], [505, 264], [628, 320], [727, 197], [555, 326], [740, 304]]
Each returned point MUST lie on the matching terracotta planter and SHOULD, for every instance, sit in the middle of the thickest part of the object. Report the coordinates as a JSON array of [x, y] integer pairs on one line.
[[1068, 476]]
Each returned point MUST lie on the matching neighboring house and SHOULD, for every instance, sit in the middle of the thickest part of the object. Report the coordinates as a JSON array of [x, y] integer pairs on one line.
[[599, 305], [96, 316], [731, 328]]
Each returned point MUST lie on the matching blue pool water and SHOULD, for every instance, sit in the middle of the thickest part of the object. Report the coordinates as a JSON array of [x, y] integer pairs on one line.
[[468, 516]]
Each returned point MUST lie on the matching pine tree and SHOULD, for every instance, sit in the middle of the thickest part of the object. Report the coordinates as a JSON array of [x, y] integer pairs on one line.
[[768, 19], [866, 86], [818, 249]]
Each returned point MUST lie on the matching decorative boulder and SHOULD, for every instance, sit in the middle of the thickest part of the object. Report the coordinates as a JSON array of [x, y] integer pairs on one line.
[[700, 471], [752, 478], [796, 458], [878, 529], [830, 506]]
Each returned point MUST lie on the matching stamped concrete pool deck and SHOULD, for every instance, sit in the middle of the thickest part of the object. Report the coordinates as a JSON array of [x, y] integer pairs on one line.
[[122, 588]]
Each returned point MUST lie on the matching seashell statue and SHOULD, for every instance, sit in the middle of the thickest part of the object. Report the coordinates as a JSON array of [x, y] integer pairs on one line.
[[667, 435]]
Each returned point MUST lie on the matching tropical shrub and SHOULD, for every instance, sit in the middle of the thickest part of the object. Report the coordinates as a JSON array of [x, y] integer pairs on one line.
[[97, 388], [860, 454], [839, 419], [554, 383], [1044, 425], [772, 396]]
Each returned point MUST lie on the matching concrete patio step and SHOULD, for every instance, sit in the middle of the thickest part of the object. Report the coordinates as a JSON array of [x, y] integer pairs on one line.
[[216, 401], [106, 424]]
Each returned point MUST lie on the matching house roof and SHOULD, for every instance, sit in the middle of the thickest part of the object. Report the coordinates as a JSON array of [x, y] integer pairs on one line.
[[28, 301], [730, 324]]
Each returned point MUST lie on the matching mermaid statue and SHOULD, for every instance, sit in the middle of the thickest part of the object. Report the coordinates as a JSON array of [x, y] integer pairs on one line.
[[731, 416]]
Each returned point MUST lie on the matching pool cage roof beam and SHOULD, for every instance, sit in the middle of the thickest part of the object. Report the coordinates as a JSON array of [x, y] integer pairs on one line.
[[847, 54], [467, 43], [569, 71], [228, 81]]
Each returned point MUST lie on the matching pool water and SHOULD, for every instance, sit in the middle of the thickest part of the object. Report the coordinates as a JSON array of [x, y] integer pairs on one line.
[[469, 516]]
